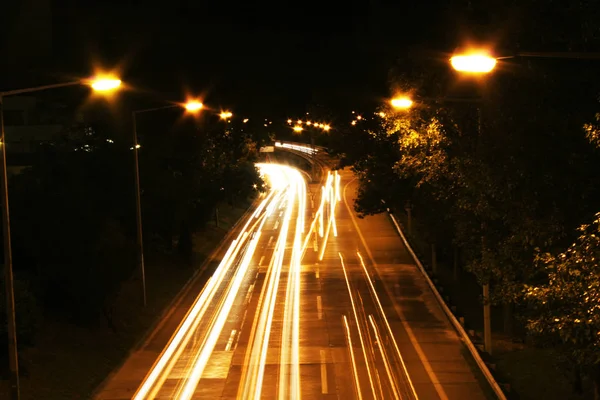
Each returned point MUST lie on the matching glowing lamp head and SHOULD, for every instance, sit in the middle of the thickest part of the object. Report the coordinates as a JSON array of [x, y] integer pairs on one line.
[[225, 115], [401, 103], [193, 106], [105, 84], [297, 129], [474, 63]]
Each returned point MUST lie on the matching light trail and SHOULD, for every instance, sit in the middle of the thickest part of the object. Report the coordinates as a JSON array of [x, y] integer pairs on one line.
[[386, 361], [216, 328], [289, 382], [254, 365], [360, 337], [304, 149], [215, 285], [192, 345], [387, 325], [352, 358]]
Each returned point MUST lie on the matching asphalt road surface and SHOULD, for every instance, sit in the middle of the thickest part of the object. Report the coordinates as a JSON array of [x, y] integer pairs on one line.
[[307, 301]]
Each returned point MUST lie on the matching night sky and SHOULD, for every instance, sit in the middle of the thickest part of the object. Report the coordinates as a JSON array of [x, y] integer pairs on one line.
[[259, 56]]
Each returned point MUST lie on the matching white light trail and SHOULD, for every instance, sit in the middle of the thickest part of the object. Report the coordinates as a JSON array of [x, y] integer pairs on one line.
[[387, 324], [360, 336]]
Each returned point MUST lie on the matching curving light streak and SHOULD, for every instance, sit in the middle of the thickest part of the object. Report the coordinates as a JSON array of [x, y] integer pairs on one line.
[[289, 382], [216, 328], [194, 341], [360, 336], [190, 324], [254, 363], [352, 358], [387, 324], [304, 149], [386, 361]]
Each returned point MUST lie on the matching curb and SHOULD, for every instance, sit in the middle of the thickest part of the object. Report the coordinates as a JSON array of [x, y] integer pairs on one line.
[[459, 328], [178, 298]]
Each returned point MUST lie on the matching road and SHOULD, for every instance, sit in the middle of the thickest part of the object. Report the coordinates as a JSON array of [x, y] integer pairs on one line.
[[307, 301]]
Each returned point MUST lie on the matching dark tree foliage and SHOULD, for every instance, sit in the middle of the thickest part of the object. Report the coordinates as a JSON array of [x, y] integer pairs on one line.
[[510, 169], [73, 211]]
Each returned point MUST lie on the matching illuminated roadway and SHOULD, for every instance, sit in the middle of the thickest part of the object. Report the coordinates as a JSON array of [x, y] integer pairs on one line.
[[298, 308]]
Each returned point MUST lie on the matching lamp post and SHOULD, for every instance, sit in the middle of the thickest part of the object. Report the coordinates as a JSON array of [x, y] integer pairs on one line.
[[190, 106], [100, 84], [478, 63]]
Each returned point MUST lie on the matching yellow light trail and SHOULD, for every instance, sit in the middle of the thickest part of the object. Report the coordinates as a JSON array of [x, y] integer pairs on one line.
[[387, 324], [360, 336], [202, 327], [171, 354], [386, 362], [352, 358], [216, 328], [253, 370]]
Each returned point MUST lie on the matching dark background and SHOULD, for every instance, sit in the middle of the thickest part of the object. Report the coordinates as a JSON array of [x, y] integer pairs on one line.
[[263, 57]]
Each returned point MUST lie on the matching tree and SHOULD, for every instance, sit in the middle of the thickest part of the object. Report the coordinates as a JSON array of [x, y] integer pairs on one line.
[[72, 209], [565, 307]]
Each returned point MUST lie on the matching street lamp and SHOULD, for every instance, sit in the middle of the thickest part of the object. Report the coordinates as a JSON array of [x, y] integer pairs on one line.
[[401, 103], [225, 115], [473, 62], [479, 63], [191, 106], [98, 84]]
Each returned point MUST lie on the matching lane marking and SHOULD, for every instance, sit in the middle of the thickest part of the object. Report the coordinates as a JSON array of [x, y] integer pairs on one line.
[[276, 225], [324, 387], [249, 294], [432, 376], [319, 308], [270, 240], [317, 272], [261, 261], [230, 341]]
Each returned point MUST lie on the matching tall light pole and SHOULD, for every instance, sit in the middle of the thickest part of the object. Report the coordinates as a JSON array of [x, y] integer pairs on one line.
[[100, 84], [190, 106], [478, 63]]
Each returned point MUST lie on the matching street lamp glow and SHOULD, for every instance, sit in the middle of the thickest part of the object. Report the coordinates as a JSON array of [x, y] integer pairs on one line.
[[193, 106], [289, 121], [297, 129], [401, 103], [225, 115], [478, 63], [326, 128], [245, 120], [104, 84]]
